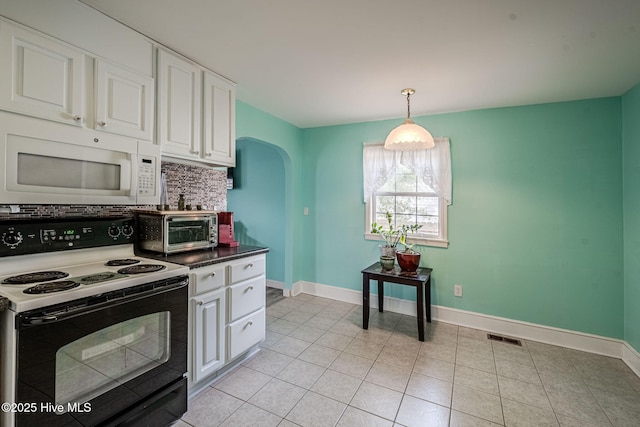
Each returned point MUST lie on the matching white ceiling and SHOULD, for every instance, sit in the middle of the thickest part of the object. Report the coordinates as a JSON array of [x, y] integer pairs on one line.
[[323, 62]]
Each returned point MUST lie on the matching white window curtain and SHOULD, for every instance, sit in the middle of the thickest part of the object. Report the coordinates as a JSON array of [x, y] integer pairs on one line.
[[433, 166]]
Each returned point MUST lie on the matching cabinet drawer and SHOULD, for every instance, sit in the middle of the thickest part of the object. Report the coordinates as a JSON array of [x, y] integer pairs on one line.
[[246, 268], [246, 297], [245, 332], [207, 279]]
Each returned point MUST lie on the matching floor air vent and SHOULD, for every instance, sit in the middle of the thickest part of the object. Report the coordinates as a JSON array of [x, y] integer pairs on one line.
[[504, 339]]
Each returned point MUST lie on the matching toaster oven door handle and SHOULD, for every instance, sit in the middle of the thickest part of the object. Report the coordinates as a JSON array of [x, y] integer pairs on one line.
[[186, 218]]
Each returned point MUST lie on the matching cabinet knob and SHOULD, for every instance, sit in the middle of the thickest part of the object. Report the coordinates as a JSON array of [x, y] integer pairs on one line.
[[200, 303], [212, 274], [195, 152], [77, 119], [102, 124], [209, 154]]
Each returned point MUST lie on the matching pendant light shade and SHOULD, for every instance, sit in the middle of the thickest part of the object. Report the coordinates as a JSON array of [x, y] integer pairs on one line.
[[409, 136]]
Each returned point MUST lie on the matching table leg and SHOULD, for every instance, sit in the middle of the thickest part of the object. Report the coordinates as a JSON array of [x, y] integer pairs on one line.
[[380, 295], [365, 301], [420, 300], [427, 296]]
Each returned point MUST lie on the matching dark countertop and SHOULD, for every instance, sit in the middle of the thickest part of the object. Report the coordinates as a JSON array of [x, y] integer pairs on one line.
[[204, 257]]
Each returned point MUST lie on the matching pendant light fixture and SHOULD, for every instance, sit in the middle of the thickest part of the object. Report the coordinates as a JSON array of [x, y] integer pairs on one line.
[[409, 136]]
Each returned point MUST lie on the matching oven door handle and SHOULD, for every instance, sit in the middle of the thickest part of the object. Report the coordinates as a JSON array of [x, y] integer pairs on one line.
[[38, 320]]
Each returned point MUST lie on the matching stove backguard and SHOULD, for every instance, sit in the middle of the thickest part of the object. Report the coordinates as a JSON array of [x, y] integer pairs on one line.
[[26, 237]]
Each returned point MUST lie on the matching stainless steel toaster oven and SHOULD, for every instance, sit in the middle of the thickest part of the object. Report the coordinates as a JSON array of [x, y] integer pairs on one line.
[[177, 231]]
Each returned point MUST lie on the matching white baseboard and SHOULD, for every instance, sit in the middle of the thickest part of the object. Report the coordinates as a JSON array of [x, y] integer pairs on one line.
[[500, 325], [631, 357], [279, 285], [275, 284]]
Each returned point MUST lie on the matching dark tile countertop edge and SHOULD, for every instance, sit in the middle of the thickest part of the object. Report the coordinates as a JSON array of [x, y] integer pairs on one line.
[[204, 257]]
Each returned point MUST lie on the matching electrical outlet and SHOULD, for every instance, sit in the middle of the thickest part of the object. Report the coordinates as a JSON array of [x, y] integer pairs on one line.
[[457, 290]]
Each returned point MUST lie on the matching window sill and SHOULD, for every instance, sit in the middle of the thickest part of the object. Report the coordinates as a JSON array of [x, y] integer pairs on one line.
[[420, 241]]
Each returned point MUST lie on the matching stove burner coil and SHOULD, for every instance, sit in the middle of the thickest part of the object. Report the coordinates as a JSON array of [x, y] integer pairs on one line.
[[47, 288], [40, 276], [120, 262], [142, 268]]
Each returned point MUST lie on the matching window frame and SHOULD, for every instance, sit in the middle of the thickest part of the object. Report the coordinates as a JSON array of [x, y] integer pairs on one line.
[[441, 241]]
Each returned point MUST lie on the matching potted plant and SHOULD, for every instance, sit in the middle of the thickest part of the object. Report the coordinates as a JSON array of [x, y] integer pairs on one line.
[[391, 237], [408, 260]]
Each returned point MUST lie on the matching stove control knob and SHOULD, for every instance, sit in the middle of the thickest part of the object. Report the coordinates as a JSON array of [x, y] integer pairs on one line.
[[113, 231], [127, 230], [12, 238]]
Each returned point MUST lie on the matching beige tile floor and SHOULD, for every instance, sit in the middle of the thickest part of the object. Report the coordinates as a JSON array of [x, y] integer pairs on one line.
[[318, 367]]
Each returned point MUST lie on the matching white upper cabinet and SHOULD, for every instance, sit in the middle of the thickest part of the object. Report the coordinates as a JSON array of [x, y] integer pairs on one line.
[[42, 77], [219, 121], [179, 106], [46, 79], [124, 101], [196, 112]]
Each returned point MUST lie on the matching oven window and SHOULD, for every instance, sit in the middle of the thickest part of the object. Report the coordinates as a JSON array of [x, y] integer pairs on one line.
[[101, 361], [181, 231]]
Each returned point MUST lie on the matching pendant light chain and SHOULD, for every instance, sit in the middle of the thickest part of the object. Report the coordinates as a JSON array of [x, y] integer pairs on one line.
[[408, 106]]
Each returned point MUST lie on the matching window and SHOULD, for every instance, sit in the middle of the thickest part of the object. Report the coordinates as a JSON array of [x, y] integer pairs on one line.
[[413, 185]]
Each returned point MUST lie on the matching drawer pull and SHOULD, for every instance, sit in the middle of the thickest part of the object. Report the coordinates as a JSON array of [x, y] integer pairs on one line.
[[200, 302], [212, 274], [249, 323], [249, 265], [250, 288]]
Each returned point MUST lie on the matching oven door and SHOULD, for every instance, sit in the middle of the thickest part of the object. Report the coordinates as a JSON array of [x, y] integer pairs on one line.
[[92, 361]]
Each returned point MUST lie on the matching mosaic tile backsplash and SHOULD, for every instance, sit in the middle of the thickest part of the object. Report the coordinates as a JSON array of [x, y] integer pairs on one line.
[[200, 185]]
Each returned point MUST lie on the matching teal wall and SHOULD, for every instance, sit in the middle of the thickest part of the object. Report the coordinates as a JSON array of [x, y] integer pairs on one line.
[[536, 225], [631, 168], [535, 228], [259, 199], [259, 129]]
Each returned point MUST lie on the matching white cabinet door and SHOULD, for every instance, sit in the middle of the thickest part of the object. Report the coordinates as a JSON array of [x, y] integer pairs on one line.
[[41, 76], [179, 105], [124, 101], [208, 334], [219, 122]]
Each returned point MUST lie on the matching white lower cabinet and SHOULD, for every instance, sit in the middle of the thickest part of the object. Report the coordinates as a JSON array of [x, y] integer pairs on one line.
[[227, 313], [208, 329]]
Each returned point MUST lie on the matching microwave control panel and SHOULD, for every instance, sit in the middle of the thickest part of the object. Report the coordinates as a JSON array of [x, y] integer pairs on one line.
[[146, 176]]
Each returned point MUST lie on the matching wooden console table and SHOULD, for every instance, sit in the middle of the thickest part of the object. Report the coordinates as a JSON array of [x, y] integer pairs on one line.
[[422, 282]]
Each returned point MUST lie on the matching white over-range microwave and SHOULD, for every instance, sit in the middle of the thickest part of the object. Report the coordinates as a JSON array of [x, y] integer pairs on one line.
[[50, 163]]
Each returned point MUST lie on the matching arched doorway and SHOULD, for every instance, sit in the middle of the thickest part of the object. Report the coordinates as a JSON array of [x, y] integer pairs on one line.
[[260, 200]]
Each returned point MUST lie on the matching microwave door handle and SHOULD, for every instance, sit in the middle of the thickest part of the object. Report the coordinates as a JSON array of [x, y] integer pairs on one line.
[[129, 176]]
